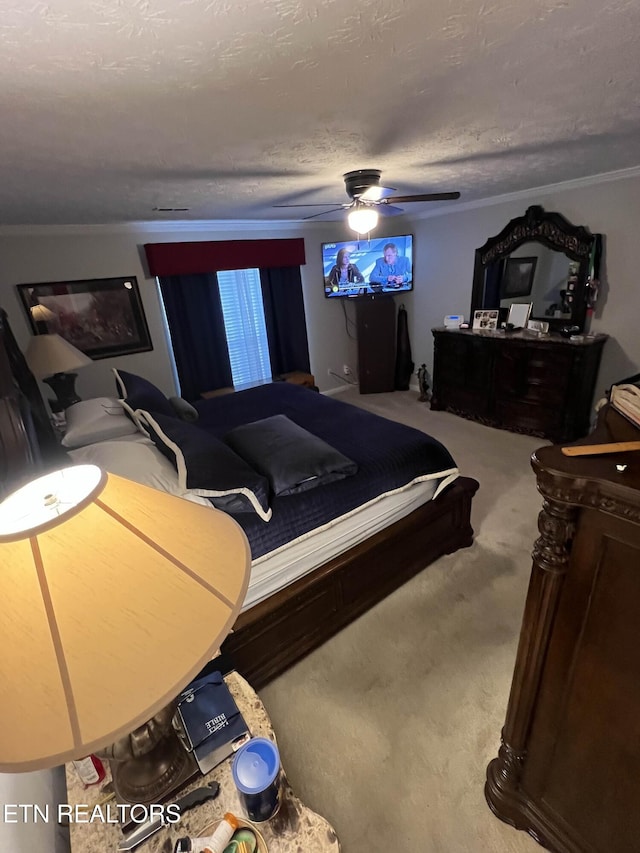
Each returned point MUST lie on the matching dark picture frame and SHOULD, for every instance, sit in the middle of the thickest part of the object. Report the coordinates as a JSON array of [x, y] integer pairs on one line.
[[517, 279], [102, 317]]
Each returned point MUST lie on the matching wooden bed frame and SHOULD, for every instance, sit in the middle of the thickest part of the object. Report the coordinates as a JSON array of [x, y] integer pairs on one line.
[[279, 631]]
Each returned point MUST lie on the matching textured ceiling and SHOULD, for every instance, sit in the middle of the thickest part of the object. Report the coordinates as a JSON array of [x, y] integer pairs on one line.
[[111, 108]]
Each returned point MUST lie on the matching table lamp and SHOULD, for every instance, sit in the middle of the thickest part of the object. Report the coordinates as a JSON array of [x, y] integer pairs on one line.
[[50, 358], [114, 595], [40, 314]]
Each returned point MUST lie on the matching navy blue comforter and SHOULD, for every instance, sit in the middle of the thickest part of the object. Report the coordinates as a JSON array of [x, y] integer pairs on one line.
[[389, 455]]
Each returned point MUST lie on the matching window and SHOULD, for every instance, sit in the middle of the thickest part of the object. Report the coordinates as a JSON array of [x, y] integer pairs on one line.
[[243, 311]]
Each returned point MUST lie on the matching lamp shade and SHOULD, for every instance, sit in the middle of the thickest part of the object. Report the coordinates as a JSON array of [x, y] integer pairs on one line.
[[114, 597], [42, 314], [49, 354], [363, 219]]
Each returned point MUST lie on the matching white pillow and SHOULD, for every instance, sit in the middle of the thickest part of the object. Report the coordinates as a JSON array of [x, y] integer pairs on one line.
[[99, 419], [136, 458]]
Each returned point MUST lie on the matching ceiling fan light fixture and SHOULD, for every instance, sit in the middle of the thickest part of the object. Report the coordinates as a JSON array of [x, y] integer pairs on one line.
[[363, 219]]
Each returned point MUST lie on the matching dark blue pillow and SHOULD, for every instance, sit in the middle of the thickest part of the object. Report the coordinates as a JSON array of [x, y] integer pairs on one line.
[[207, 467], [139, 393], [290, 457]]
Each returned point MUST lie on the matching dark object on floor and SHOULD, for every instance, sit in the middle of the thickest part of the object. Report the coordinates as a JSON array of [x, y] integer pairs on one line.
[[423, 382], [404, 365]]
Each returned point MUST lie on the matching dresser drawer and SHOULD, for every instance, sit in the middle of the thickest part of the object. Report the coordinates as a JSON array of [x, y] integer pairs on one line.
[[530, 417], [550, 367], [524, 373]]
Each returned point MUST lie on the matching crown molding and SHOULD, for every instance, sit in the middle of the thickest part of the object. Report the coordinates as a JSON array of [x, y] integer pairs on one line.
[[533, 192], [213, 226]]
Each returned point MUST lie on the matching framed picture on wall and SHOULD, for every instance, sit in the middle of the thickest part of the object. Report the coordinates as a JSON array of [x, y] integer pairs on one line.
[[517, 279], [102, 317]]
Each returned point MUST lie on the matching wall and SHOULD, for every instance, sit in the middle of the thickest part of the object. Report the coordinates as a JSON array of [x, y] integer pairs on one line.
[[444, 254], [42, 788], [445, 248], [59, 254]]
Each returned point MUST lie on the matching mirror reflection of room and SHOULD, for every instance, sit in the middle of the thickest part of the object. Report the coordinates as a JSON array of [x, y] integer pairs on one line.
[[550, 275]]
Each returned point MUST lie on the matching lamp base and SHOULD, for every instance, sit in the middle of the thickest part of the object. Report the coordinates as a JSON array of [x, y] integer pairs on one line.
[[151, 762], [63, 386], [153, 777]]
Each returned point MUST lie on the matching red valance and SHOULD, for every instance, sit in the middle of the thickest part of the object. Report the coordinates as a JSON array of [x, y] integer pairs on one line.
[[210, 256]]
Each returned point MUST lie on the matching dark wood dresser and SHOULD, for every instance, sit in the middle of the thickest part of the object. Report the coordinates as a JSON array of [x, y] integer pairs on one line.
[[517, 381], [568, 767]]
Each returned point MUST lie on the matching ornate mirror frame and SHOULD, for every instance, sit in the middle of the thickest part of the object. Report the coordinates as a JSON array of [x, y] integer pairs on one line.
[[553, 231]]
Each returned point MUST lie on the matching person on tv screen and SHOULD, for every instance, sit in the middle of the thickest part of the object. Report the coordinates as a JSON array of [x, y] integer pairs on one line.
[[344, 273], [392, 269]]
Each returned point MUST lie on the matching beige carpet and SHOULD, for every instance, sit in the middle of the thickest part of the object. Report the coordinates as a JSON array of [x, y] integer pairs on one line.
[[387, 729]]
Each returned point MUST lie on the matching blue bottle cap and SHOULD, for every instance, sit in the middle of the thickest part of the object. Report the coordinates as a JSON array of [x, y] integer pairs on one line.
[[256, 765]]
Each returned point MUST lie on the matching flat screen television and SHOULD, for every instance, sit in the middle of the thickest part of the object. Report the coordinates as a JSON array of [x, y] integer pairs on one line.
[[365, 267]]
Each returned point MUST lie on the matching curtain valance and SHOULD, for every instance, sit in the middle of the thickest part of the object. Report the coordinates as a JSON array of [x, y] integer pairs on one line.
[[207, 256]]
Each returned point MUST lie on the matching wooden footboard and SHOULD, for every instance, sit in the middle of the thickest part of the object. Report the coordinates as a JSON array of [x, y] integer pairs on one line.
[[276, 633]]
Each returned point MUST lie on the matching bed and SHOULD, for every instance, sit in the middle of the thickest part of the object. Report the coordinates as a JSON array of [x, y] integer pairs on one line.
[[326, 553]]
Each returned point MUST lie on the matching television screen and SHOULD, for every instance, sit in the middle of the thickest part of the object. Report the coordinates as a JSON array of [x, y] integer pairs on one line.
[[364, 267]]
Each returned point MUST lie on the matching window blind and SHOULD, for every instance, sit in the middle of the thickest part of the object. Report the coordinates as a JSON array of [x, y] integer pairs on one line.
[[243, 311]]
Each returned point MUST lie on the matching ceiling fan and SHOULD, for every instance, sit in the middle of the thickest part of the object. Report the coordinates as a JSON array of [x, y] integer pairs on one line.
[[368, 198]]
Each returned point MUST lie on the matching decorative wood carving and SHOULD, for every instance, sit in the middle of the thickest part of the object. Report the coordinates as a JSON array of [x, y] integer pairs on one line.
[[556, 524], [556, 233], [551, 229], [599, 496]]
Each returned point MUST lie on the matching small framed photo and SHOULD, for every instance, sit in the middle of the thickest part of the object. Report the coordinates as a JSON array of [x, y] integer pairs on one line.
[[519, 314], [485, 319], [539, 326], [102, 317], [517, 279]]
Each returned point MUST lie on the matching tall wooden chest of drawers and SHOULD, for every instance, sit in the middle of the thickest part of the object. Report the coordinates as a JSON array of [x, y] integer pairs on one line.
[[567, 770]]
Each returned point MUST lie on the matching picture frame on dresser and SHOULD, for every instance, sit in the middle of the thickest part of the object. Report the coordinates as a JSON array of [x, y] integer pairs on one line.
[[519, 313], [102, 317], [487, 320]]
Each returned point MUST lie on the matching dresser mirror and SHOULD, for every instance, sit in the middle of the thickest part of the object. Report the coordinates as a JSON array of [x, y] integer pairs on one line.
[[542, 259]]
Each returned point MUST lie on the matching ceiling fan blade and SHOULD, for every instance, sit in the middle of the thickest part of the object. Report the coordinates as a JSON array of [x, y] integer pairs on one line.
[[377, 193], [422, 197], [323, 212], [318, 204], [389, 209]]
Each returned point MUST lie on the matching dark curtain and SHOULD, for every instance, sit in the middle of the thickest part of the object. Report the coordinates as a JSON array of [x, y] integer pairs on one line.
[[194, 315], [285, 319]]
